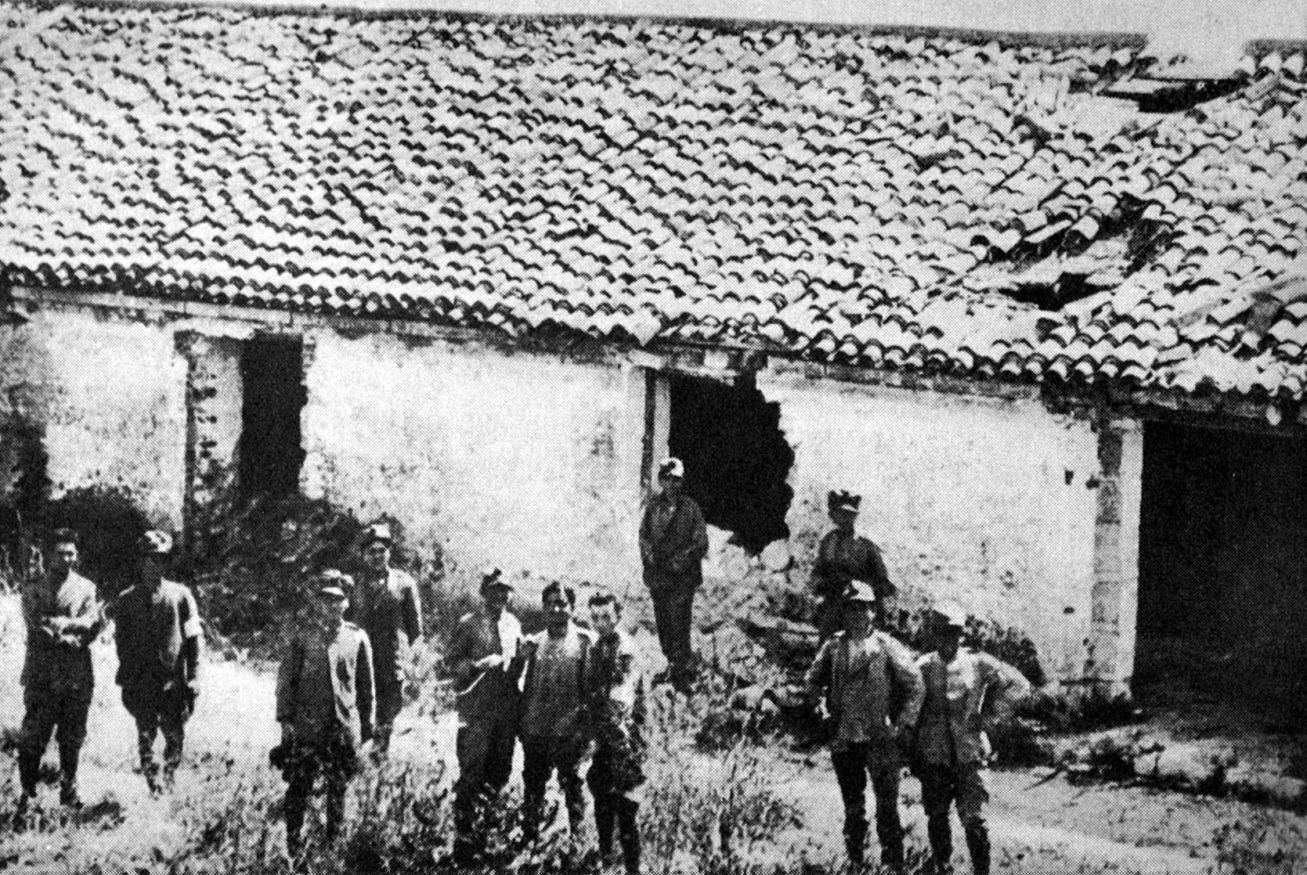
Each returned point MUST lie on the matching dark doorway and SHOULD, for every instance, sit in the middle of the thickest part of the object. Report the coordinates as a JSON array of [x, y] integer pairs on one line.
[[736, 458], [1223, 571], [272, 376]]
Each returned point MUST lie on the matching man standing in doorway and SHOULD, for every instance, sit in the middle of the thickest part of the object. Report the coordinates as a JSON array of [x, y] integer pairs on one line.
[[159, 641], [63, 615], [673, 542], [966, 693], [843, 557], [554, 728], [485, 663], [384, 603], [858, 673], [325, 707]]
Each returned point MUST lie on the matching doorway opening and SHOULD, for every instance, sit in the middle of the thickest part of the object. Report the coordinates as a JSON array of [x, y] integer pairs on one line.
[[270, 455], [1223, 571]]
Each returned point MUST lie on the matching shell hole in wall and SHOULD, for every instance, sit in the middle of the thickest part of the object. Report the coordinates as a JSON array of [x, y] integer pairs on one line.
[[736, 457]]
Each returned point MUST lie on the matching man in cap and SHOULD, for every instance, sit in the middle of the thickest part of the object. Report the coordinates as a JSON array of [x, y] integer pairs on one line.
[[615, 702], [859, 672], [555, 730], [159, 642], [325, 706], [673, 542], [63, 615], [485, 662], [966, 692], [844, 556], [384, 603]]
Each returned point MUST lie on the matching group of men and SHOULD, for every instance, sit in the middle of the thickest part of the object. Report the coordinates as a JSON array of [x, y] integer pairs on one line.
[[570, 693], [159, 640], [887, 707]]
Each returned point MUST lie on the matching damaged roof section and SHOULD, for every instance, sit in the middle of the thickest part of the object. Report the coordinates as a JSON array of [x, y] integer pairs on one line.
[[949, 203]]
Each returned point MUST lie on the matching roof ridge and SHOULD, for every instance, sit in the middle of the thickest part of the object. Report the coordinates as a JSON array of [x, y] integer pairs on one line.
[[1051, 39]]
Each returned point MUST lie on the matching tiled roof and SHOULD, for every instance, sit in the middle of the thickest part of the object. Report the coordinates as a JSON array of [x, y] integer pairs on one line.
[[870, 198]]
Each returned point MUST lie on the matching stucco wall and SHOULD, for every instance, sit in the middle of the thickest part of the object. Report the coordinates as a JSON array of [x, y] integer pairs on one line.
[[110, 396], [526, 461], [989, 501]]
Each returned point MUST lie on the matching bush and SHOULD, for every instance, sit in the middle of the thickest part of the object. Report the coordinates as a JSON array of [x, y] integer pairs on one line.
[[1088, 712]]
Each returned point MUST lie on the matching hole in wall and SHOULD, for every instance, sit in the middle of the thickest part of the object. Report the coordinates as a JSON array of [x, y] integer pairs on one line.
[[736, 457]]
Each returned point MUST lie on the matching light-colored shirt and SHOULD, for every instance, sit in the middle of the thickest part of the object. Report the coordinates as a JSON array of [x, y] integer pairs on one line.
[[963, 698]]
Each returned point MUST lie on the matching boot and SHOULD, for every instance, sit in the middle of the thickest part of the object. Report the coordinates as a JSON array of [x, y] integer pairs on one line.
[[978, 846]]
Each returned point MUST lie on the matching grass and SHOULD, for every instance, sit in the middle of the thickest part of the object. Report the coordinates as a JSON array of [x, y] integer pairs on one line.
[[745, 805]]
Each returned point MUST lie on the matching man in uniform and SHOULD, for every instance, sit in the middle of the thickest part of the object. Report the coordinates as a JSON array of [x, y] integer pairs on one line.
[[325, 707], [63, 615], [159, 642], [384, 603], [843, 557], [484, 660], [673, 542], [966, 692], [858, 673], [616, 710], [554, 730]]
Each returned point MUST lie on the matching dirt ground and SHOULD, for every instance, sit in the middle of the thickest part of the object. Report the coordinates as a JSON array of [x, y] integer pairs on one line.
[[1052, 827]]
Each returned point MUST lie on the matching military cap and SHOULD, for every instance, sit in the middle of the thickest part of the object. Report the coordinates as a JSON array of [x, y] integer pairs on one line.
[[155, 543], [859, 592], [378, 531], [492, 576], [671, 467], [843, 500], [949, 614], [334, 584]]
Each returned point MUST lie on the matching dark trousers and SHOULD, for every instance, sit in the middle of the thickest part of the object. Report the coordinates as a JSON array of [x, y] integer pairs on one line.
[[674, 616], [159, 711], [484, 748], [853, 764], [61, 712], [334, 760], [390, 700], [613, 807], [943, 787], [542, 756]]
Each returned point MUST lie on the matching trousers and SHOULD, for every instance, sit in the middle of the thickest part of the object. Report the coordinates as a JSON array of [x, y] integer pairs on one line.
[[484, 748], [542, 756], [159, 711], [674, 616], [961, 786], [62, 712], [614, 807], [853, 764], [334, 759]]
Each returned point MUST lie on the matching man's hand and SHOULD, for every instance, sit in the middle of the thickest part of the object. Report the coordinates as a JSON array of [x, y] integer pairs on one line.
[[494, 660]]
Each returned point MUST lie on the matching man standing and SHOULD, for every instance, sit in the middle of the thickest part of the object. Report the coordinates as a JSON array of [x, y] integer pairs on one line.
[[159, 642], [555, 731], [616, 710], [843, 557], [485, 663], [325, 707], [673, 542], [859, 672], [384, 604], [63, 615], [966, 693]]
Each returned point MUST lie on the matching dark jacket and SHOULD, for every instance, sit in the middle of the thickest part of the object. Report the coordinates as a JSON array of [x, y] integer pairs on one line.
[[844, 558], [672, 552], [385, 611], [158, 637], [304, 693]]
